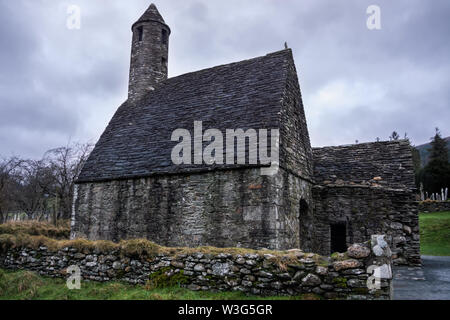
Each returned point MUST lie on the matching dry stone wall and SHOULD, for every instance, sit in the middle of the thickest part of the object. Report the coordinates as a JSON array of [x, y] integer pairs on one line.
[[434, 206], [363, 272]]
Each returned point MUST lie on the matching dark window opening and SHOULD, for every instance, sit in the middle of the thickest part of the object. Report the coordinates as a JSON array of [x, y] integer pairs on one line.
[[338, 238], [140, 31], [164, 64], [303, 208], [302, 220], [164, 36]]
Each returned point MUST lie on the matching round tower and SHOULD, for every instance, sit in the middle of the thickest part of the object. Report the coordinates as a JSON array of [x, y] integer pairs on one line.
[[149, 53]]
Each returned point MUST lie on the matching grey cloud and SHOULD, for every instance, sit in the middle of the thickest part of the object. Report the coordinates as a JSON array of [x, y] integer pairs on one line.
[[57, 84]]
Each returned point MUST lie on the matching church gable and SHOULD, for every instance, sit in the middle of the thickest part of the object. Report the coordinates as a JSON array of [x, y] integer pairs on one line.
[[295, 147]]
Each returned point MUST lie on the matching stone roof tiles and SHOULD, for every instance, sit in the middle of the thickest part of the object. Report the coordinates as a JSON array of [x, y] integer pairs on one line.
[[151, 14], [385, 164]]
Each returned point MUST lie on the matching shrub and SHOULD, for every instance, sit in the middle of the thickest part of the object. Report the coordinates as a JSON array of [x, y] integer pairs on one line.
[[162, 279]]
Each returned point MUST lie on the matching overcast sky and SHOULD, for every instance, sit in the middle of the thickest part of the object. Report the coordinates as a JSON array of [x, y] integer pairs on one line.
[[58, 84]]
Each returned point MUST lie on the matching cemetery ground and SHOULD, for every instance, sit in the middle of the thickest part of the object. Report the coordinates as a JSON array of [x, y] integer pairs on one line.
[[430, 282]]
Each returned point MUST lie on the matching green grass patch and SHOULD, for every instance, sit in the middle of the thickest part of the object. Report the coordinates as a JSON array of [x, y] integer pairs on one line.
[[26, 285], [435, 233]]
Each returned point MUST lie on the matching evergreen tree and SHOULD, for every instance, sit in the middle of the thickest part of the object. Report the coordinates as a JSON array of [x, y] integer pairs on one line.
[[436, 174], [417, 165], [416, 160]]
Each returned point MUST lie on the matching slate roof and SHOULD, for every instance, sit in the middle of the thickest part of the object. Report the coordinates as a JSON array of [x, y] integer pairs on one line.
[[360, 163], [137, 141]]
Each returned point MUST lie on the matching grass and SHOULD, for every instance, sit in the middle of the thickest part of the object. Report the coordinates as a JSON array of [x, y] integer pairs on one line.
[[435, 233], [26, 285], [35, 228]]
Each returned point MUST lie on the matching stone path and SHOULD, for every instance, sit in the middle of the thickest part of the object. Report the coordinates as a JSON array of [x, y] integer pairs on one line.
[[432, 282]]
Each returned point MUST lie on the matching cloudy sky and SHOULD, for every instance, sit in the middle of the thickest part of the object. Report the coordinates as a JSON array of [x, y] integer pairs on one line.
[[59, 85]]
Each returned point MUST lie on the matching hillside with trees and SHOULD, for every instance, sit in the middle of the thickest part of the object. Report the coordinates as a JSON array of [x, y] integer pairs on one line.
[[424, 150], [435, 175]]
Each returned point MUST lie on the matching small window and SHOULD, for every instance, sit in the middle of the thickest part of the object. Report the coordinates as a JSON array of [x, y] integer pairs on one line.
[[303, 220], [164, 36], [303, 210], [338, 237], [164, 64], [140, 31]]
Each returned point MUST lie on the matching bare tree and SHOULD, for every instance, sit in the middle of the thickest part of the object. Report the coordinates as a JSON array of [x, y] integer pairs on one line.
[[8, 168], [65, 164], [38, 188], [28, 193]]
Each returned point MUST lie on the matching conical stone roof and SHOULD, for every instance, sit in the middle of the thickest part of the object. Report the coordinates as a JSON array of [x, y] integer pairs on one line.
[[151, 14]]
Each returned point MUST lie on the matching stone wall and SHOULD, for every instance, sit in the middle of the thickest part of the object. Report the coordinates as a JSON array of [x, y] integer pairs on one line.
[[365, 210], [233, 208], [363, 272], [434, 206], [364, 189]]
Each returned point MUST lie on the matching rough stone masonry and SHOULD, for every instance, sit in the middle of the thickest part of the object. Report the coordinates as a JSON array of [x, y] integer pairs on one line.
[[321, 200], [363, 272]]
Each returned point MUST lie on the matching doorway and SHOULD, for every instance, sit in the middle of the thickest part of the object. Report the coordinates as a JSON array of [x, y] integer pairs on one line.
[[338, 237], [303, 224]]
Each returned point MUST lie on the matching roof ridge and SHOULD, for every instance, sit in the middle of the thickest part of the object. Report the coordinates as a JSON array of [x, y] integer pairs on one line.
[[400, 141], [231, 63], [178, 77]]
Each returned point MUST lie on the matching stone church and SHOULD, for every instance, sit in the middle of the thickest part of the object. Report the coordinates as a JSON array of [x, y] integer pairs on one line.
[[320, 199]]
